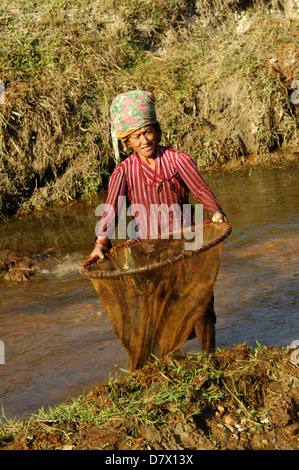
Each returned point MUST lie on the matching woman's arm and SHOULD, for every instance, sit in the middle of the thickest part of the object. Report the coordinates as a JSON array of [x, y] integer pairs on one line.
[[191, 176], [107, 224]]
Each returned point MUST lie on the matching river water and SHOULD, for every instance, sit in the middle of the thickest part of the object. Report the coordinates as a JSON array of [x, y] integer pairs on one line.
[[57, 337]]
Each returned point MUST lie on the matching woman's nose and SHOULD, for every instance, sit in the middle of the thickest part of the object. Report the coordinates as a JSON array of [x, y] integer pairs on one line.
[[144, 139]]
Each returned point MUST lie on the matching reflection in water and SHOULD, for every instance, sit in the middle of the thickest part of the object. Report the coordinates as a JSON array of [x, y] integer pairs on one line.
[[58, 339], [65, 227], [58, 342]]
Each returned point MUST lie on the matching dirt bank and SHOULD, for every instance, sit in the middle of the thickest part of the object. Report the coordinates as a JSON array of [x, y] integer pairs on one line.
[[237, 399], [223, 74], [19, 267]]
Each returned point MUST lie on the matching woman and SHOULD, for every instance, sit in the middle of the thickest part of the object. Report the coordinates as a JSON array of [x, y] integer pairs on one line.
[[152, 175]]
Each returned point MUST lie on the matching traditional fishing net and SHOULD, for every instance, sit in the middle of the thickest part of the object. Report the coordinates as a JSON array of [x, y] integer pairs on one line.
[[154, 290]]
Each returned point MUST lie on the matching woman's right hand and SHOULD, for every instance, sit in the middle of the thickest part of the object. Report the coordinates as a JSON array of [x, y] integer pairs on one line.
[[99, 250]]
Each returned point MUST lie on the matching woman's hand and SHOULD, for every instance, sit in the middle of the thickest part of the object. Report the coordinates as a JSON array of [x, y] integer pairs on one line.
[[219, 217], [99, 250]]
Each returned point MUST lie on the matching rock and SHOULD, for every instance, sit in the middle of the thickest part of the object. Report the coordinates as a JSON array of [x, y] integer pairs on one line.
[[19, 267], [241, 428], [229, 420], [231, 428], [292, 429], [15, 267], [150, 433]]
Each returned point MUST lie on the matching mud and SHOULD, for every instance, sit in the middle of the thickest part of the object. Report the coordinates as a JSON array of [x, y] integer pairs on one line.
[[237, 399], [15, 266]]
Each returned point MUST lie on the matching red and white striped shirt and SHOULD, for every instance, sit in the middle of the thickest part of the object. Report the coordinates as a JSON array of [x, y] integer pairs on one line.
[[144, 189]]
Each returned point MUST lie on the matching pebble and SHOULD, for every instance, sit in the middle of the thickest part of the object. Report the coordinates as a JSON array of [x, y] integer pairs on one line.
[[241, 428], [295, 357], [220, 411], [234, 425], [230, 420], [231, 428]]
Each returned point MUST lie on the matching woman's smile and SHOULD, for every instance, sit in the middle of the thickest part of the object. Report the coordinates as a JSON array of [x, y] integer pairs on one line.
[[144, 142]]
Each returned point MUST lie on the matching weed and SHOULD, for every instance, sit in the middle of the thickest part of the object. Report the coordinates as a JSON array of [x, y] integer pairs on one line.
[[62, 64], [164, 398]]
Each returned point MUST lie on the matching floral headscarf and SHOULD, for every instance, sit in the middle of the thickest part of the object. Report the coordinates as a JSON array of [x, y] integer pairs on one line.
[[131, 111]]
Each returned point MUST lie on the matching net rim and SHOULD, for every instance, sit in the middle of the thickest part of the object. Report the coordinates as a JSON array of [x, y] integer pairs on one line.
[[84, 268]]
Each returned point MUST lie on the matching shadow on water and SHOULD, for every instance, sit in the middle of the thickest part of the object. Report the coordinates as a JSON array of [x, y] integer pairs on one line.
[[58, 339]]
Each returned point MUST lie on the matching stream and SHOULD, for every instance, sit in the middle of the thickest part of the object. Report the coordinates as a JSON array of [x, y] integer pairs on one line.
[[58, 340]]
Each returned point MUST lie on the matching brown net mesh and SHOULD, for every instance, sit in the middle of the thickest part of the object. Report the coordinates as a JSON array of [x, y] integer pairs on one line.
[[154, 290]]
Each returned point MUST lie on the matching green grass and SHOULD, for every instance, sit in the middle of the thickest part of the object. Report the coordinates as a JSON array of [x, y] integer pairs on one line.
[[163, 394], [152, 403]]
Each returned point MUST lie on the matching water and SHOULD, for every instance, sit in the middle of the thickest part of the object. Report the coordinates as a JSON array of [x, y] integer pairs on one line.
[[58, 339]]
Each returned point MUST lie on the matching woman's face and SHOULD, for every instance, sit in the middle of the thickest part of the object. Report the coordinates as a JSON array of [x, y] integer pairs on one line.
[[144, 142]]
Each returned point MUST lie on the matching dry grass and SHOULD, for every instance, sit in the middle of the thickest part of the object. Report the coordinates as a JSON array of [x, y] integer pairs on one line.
[[63, 62]]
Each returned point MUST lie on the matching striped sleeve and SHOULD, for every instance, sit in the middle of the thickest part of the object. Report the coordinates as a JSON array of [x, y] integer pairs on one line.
[[188, 171], [116, 188]]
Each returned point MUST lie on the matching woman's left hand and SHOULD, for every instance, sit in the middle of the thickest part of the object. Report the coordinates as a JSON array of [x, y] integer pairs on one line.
[[219, 217]]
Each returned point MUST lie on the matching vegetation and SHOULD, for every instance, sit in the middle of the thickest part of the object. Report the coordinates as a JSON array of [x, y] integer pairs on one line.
[[221, 73], [244, 398]]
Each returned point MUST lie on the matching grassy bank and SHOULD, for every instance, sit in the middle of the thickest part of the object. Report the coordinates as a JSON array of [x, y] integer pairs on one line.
[[241, 398], [221, 72]]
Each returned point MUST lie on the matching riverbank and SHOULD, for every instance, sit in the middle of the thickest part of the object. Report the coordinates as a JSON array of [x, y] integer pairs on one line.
[[223, 77], [235, 399], [260, 261]]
